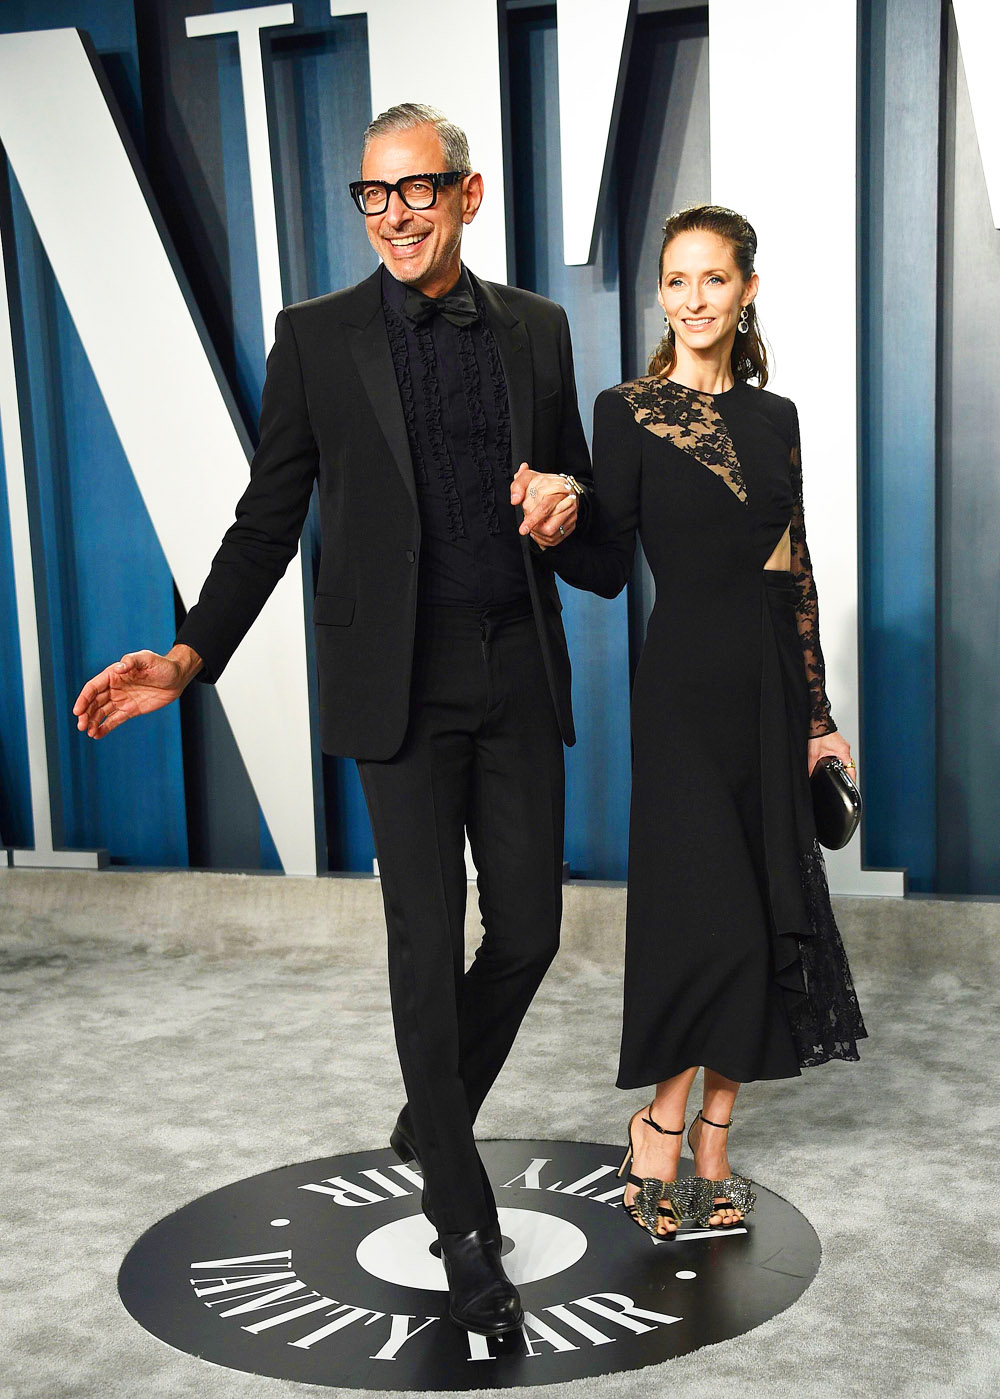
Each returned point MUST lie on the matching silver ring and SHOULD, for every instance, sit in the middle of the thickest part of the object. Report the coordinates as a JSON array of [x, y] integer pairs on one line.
[[562, 531]]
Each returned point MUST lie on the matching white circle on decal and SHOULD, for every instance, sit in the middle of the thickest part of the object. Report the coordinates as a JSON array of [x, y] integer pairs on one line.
[[543, 1246]]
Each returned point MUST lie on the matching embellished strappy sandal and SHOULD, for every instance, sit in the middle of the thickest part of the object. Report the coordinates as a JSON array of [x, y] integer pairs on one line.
[[714, 1196], [645, 1209]]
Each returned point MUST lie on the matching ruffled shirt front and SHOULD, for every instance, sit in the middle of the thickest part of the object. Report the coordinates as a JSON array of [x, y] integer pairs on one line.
[[454, 397]]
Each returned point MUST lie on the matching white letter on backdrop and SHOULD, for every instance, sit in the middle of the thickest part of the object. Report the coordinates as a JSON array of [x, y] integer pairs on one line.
[[978, 23], [99, 226], [802, 66], [247, 24], [593, 55]]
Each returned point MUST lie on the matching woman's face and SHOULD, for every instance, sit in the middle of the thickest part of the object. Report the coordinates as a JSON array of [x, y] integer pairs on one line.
[[701, 290]]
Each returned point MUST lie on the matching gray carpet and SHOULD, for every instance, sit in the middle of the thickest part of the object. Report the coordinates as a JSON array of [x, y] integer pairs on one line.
[[167, 1034]]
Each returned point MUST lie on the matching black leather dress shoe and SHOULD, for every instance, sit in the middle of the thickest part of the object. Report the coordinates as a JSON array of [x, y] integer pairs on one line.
[[481, 1297]]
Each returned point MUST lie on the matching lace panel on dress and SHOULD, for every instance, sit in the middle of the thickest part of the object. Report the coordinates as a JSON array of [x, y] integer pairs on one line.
[[807, 607], [691, 421], [827, 1022]]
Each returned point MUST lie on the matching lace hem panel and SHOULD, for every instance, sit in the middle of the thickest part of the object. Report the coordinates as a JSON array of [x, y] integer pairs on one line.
[[826, 1023]]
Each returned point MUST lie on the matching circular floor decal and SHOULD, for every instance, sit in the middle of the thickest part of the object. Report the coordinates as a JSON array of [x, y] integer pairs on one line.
[[322, 1272]]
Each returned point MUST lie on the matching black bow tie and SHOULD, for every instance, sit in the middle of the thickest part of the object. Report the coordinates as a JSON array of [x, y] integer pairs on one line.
[[456, 306]]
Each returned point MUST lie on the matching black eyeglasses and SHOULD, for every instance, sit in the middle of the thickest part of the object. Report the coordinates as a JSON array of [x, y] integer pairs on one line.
[[416, 191]]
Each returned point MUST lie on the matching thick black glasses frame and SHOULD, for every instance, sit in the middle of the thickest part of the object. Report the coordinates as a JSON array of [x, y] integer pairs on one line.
[[358, 187]]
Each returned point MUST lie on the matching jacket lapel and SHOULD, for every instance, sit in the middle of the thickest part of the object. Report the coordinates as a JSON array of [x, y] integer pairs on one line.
[[514, 346], [369, 342]]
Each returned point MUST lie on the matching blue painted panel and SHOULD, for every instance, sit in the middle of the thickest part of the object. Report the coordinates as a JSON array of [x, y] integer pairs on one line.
[[250, 351], [321, 85], [317, 75], [105, 582], [247, 333], [899, 307], [968, 755], [96, 539], [15, 794], [598, 768]]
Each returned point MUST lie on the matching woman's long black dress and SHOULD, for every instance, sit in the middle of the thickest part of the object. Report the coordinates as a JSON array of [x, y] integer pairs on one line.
[[733, 958]]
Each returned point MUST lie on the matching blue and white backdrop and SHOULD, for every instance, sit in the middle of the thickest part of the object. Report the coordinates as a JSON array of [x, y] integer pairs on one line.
[[175, 171]]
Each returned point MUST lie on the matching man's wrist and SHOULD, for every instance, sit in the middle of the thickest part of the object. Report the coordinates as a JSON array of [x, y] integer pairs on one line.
[[187, 660]]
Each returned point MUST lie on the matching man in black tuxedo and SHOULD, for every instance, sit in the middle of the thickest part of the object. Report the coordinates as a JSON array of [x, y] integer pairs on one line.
[[442, 662]]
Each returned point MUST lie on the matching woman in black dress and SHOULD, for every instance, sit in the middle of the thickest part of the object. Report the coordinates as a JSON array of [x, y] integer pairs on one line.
[[733, 959]]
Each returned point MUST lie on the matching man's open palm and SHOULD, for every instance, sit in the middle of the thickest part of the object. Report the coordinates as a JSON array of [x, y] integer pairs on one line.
[[137, 684]]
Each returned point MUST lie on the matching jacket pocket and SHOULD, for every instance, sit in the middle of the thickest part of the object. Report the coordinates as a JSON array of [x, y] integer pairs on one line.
[[547, 401], [331, 611]]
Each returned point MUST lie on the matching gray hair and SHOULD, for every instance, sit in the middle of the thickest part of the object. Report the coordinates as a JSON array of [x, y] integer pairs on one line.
[[408, 115]]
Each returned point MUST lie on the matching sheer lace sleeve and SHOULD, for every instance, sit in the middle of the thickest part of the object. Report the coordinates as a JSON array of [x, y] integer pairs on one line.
[[807, 603], [602, 562]]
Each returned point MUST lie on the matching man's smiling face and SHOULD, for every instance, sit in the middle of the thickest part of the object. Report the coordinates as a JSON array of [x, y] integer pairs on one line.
[[421, 248]]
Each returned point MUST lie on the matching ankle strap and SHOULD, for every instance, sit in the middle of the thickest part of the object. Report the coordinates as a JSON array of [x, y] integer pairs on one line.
[[723, 1126], [663, 1131]]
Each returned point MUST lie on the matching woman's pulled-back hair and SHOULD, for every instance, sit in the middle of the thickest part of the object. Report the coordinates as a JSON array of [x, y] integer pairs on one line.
[[749, 359]]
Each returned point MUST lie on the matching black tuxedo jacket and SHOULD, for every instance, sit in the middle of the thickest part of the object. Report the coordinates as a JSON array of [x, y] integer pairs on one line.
[[331, 411]]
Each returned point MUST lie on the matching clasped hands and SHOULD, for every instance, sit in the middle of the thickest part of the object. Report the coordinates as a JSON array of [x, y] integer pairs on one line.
[[549, 503]]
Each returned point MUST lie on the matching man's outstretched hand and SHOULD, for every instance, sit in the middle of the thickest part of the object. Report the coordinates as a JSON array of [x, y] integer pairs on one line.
[[137, 684], [549, 505]]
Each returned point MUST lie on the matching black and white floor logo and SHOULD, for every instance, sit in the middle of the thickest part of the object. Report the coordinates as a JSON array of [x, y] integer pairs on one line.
[[323, 1272]]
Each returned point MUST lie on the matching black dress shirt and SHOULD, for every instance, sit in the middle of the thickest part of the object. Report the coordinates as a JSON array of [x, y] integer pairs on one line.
[[454, 398]]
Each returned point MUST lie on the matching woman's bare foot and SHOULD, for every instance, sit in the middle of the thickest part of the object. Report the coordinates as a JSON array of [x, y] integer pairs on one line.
[[655, 1156], [711, 1161]]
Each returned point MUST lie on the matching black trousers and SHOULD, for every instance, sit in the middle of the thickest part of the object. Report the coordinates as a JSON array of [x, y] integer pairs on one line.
[[482, 753]]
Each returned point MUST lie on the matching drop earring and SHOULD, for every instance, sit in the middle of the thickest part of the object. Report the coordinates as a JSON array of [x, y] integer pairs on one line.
[[668, 330], [743, 324]]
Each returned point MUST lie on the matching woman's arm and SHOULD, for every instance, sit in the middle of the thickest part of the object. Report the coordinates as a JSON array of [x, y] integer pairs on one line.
[[602, 562], [807, 602], [823, 735]]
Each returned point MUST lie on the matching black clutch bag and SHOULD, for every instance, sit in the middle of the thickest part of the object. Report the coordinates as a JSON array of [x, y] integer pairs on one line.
[[836, 803]]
